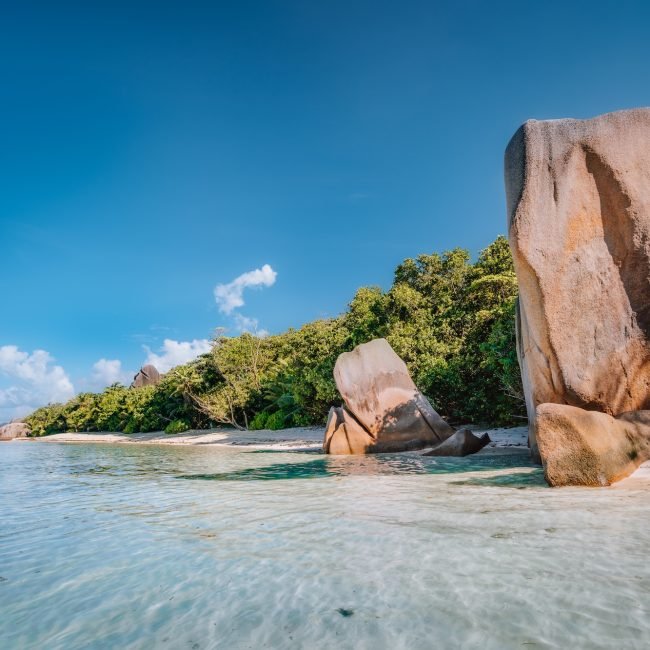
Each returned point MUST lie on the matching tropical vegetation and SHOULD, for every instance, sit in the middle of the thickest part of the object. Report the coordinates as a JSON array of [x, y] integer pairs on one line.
[[451, 320]]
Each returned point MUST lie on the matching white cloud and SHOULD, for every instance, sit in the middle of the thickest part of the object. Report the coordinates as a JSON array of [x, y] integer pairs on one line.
[[38, 381], [231, 296], [246, 324], [107, 372], [173, 353]]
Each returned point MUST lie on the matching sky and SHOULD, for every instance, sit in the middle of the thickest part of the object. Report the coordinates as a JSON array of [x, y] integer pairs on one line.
[[170, 168]]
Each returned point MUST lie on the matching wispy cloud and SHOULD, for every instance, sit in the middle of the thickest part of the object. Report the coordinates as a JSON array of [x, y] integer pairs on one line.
[[231, 296], [35, 381], [250, 325], [174, 353]]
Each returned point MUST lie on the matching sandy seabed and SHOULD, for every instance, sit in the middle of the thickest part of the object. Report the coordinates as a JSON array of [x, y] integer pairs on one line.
[[257, 539]]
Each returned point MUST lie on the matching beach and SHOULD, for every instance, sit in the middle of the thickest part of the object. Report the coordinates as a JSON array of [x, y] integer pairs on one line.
[[296, 437], [503, 440]]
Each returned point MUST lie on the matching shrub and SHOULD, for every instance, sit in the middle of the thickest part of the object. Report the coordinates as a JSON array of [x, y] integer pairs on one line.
[[276, 421], [177, 426], [259, 421]]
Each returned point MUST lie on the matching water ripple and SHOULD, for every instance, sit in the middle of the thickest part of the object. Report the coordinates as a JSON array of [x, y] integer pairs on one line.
[[104, 547]]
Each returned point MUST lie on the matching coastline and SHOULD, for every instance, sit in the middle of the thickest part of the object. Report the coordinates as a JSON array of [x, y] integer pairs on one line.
[[293, 438], [503, 440], [299, 437]]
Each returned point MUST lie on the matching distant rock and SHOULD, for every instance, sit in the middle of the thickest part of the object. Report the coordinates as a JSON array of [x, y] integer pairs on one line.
[[147, 376], [384, 411], [14, 430], [578, 194]]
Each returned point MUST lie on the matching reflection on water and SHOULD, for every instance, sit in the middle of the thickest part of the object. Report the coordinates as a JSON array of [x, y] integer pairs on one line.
[[371, 465], [101, 546], [519, 480]]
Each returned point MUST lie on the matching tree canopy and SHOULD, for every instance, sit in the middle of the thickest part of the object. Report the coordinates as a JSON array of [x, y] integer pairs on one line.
[[451, 320]]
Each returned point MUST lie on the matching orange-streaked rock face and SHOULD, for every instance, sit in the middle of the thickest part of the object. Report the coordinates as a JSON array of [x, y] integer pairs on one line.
[[578, 194]]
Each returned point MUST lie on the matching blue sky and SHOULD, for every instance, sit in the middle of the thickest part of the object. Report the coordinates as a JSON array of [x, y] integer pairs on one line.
[[152, 151]]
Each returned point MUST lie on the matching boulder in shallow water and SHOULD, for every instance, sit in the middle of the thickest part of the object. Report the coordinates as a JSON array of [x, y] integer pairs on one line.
[[578, 194], [147, 376], [384, 411], [344, 435], [14, 430], [376, 387], [462, 443]]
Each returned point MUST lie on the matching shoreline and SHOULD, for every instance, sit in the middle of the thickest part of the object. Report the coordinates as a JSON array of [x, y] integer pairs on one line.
[[290, 439], [299, 439]]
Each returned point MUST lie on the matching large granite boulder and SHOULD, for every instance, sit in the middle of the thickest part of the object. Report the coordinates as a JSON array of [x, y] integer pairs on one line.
[[14, 430], [147, 376], [581, 447], [384, 411], [578, 195]]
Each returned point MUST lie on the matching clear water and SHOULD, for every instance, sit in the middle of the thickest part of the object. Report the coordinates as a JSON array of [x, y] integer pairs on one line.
[[128, 546]]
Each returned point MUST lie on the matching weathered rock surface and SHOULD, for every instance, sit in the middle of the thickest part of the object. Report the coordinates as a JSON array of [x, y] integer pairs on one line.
[[377, 388], [14, 430], [147, 376], [589, 447], [344, 435], [384, 411], [578, 194], [461, 443]]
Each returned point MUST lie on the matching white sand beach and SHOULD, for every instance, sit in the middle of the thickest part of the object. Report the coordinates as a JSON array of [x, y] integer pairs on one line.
[[294, 438]]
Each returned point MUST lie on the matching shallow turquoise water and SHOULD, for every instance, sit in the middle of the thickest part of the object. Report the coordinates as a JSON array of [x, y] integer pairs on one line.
[[125, 546]]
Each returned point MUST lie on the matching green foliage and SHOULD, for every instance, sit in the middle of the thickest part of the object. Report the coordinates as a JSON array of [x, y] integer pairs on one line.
[[450, 320], [177, 426], [259, 421], [276, 421], [47, 419]]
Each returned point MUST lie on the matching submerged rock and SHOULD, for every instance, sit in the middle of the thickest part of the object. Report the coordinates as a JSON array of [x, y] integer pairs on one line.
[[461, 443], [14, 430], [578, 194], [147, 376], [384, 411]]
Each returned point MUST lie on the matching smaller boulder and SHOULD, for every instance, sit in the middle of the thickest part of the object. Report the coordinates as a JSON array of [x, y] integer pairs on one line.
[[384, 412], [461, 443], [344, 434], [14, 430], [147, 376], [377, 389]]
